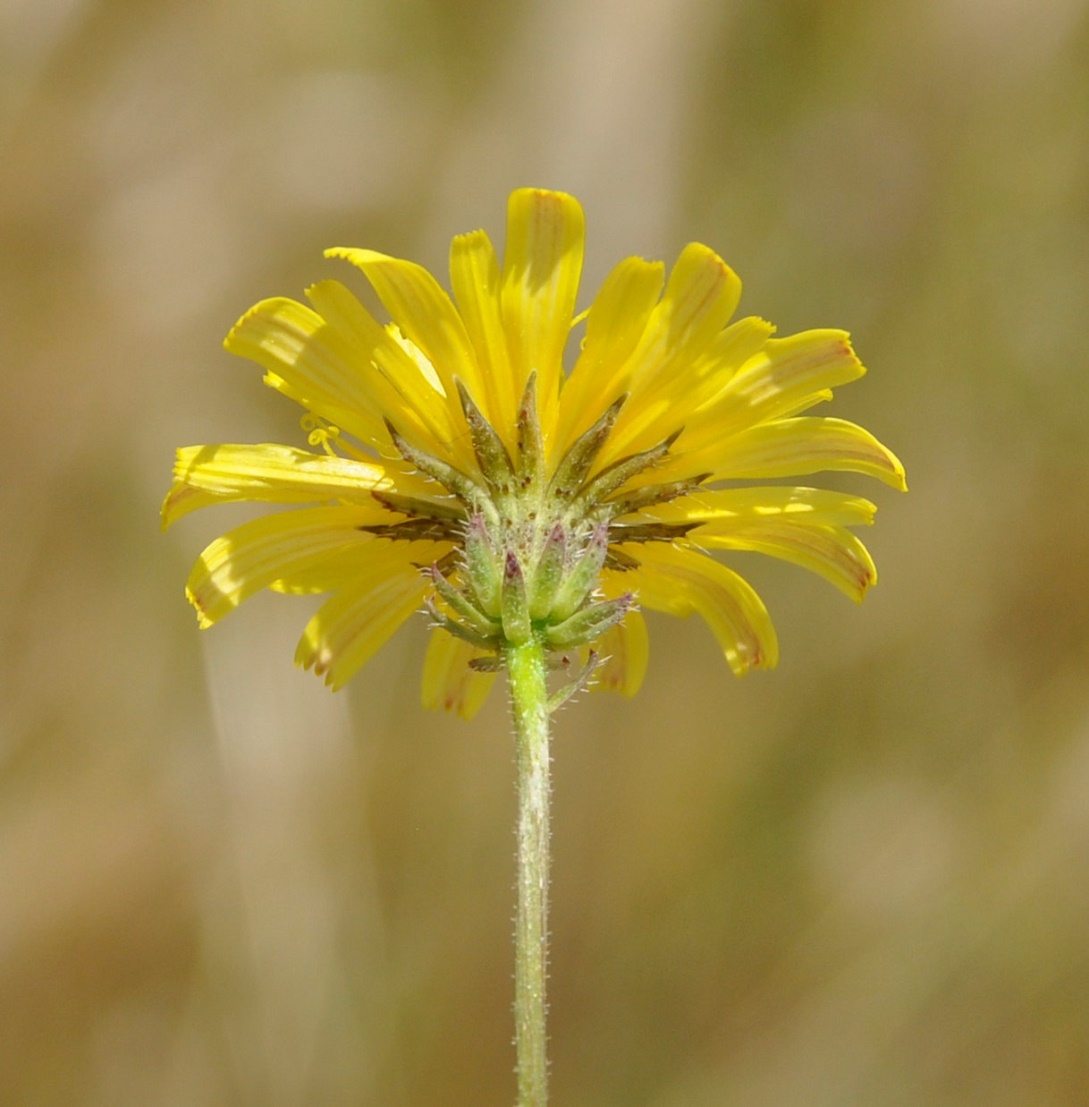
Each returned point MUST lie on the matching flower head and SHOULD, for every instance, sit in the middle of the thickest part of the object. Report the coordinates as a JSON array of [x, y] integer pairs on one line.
[[454, 463]]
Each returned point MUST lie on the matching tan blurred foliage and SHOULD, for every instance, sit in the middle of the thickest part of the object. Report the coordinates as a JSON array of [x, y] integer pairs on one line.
[[860, 879]]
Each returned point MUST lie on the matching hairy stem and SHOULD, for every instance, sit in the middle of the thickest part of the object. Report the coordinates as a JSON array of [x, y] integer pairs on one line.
[[529, 699]]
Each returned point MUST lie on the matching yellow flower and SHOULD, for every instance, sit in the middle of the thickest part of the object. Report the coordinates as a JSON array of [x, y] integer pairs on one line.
[[455, 463]]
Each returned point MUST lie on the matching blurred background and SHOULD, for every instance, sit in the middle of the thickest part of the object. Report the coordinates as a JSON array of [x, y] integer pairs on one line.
[[859, 879]]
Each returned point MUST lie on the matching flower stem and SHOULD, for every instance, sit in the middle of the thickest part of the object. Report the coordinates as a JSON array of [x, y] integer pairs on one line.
[[529, 699]]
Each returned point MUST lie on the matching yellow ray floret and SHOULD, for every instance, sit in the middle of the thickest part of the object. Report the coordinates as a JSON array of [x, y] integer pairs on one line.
[[449, 684], [684, 582], [358, 619], [542, 264], [270, 473], [252, 556]]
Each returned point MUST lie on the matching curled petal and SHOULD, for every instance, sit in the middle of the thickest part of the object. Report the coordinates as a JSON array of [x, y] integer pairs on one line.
[[796, 447], [424, 313], [356, 621], [403, 385], [787, 376], [829, 551], [677, 395], [448, 682], [252, 556], [624, 651], [269, 473], [680, 582], [343, 569], [726, 509], [309, 361]]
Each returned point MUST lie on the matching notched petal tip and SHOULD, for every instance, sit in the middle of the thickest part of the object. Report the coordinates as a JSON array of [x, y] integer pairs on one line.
[[271, 306], [456, 676], [182, 499], [897, 474], [543, 197], [310, 656], [204, 621], [697, 254], [743, 664], [173, 506], [865, 583], [357, 255]]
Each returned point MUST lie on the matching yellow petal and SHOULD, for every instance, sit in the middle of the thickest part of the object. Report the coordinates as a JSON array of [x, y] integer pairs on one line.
[[309, 361], [677, 396], [426, 316], [786, 377], [474, 277], [345, 568], [829, 551], [542, 263], [797, 446], [614, 325], [832, 552], [681, 393], [726, 509], [338, 570], [355, 622], [731, 348], [680, 582], [626, 651], [401, 391], [448, 682], [250, 557], [270, 473], [700, 296]]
